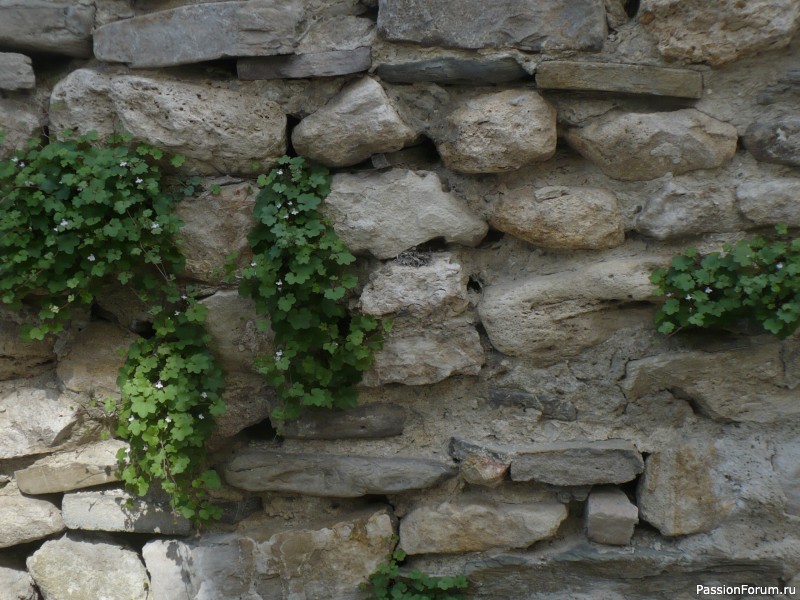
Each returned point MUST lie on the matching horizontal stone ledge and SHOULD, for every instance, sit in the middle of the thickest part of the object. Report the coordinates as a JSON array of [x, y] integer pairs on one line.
[[453, 70], [16, 72], [337, 476], [46, 26], [622, 78], [298, 66], [370, 421]]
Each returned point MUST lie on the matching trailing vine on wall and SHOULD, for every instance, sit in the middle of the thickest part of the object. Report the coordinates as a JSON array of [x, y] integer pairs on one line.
[[387, 583]]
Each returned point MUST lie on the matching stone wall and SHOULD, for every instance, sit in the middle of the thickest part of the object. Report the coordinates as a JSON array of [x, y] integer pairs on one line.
[[509, 172]]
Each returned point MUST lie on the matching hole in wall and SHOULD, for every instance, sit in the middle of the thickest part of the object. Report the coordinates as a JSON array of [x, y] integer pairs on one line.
[[492, 236], [437, 244], [262, 432], [474, 284], [631, 8], [291, 123]]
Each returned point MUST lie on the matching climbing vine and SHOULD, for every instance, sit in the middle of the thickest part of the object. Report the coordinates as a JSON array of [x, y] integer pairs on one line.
[[387, 583]]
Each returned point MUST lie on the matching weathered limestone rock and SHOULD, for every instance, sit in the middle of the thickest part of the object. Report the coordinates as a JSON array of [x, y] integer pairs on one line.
[[34, 421], [338, 32], [610, 516], [357, 123], [116, 510], [258, 469], [248, 400], [745, 384], [200, 32], [678, 493], [424, 352], [612, 77], [642, 146], [561, 217], [91, 362], [499, 132], [555, 316], [718, 32], [551, 407], [524, 24], [479, 465], [775, 141], [218, 130], [20, 124], [24, 519], [386, 213], [215, 226], [16, 72], [577, 463], [322, 560], [90, 465], [472, 522], [439, 284], [770, 202], [369, 421], [786, 464], [681, 209], [314, 64], [18, 357], [57, 26], [71, 569], [16, 583], [451, 70]]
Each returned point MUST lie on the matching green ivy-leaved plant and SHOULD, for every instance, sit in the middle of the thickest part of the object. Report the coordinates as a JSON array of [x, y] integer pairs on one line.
[[755, 279], [387, 583], [299, 279]]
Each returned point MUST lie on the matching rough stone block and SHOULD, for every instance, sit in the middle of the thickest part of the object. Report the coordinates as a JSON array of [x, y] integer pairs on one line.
[[56, 26], [20, 124], [24, 519], [451, 70], [34, 421], [551, 407], [16, 72], [18, 357], [367, 422], [775, 141], [297, 66], [16, 583], [610, 516], [770, 202]]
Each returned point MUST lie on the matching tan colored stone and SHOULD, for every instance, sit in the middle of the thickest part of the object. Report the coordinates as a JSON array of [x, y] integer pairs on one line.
[[248, 401], [57, 26], [610, 516], [20, 124], [16, 72], [770, 202], [34, 421], [24, 519], [16, 583]]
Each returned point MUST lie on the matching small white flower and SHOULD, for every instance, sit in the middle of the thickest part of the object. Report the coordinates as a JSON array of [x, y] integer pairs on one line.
[[123, 164], [204, 395], [688, 297], [280, 171], [15, 160], [128, 450], [154, 225], [253, 264], [130, 420], [289, 203], [708, 290], [139, 180], [177, 313], [669, 294], [91, 258], [285, 216], [294, 211], [779, 265], [167, 420], [201, 417], [279, 283], [55, 228], [145, 447], [64, 223], [159, 385], [184, 297], [53, 308], [278, 354], [22, 165]]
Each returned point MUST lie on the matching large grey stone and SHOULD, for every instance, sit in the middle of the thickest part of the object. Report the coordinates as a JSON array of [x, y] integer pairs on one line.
[[561, 217], [18, 357], [362, 422], [536, 25], [786, 464], [775, 141], [257, 469], [314, 64], [577, 463], [771, 201], [621, 78], [551, 317], [16, 72], [719, 31], [73, 569], [94, 464], [642, 146], [57, 26], [387, 213], [452, 70], [473, 522], [354, 125], [248, 401], [499, 132], [749, 384], [269, 560], [24, 519], [551, 407], [20, 124], [610, 516], [116, 510], [34, 421], [200, 32], [16, 583]]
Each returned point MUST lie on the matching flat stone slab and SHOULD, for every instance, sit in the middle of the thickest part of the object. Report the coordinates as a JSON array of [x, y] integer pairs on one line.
[[534, 25], [371, 421], [577, 463], [297, 66], [90, 465], [24, 519], [16, 72], [453, 70], [34, 421], [775, 141], [263, 470], [47, 26], [550, 406], [611, 77], [109, 511]]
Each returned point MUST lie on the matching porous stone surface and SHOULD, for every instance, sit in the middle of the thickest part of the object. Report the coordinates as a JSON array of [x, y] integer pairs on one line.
[[248, 401], [474, 523], [16, 72], [16, 583], [524, 24], [679, 493], [200, 32], [20, 123], [775, 141], [76, 569], [260, 469], [387, 213], [561, 217], [269, 560], [52, 26], [18, 357], [218, 130], [550, 406], [479, 465], [555, 316], [452, 70], [369, 421], [116, 510], [610, 516], [621, 78], [770, 201], [89, 465], [24, 519], [719, 32], [786, 463], [577, 463], [34, 420], [643, 146], [313, 64], [750, 384], [498, 132], [357, 123]]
